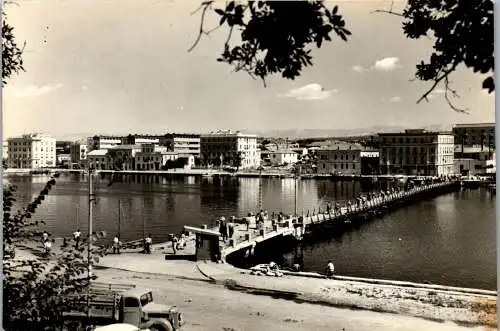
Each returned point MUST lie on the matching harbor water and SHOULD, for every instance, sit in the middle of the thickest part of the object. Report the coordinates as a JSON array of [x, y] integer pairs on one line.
[[449, 240]]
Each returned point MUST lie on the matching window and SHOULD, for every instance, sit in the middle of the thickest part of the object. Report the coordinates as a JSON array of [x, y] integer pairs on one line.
[[131, 302], [353, 166]]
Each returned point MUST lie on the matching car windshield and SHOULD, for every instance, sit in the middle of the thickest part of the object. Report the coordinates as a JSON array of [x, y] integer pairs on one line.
[[146, 298]]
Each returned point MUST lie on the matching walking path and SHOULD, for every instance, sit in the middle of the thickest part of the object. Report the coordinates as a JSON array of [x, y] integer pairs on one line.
[[249, 235]]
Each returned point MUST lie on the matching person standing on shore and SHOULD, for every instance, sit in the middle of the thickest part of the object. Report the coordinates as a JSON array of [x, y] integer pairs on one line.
[[330, 270]]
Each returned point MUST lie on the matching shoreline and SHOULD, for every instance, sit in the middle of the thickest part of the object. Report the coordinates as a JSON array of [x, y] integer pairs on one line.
[[462, 306], [208, 173]]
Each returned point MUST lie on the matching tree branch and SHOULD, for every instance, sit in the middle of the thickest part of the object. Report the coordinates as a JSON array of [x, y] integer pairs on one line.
[[204, 7], [436, 82], [390, 11], [447, 90]]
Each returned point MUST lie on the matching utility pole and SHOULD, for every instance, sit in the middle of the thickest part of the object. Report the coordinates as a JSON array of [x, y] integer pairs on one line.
[[89, 248], [119, 216], [260, 188]]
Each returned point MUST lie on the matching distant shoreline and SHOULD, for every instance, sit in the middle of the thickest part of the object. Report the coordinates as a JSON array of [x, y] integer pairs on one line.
[[208, 173]]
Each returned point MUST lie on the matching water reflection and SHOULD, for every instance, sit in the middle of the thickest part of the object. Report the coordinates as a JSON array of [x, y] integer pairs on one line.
[[447, 240]]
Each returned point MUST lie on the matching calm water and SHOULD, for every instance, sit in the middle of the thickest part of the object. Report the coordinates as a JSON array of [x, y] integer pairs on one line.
[[449, 240]]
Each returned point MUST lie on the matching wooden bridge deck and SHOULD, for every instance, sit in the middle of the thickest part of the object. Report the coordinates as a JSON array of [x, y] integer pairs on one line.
[[245, 238]]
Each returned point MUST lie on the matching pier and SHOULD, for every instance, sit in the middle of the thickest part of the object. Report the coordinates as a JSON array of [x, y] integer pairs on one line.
[[248, 232]]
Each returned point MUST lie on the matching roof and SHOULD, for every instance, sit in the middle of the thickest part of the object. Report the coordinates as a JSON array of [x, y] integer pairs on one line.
[[136, 291], [228, 133], [201, 231], [125, 147], [342, 147], [117, 327], [282, 151], [98, 152], [474, 125], [416, 132]]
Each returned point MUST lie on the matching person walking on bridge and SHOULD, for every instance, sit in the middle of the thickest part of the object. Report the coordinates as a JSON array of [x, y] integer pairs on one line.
[[76, 236], [148, 243], [116, 244], [223, 228]]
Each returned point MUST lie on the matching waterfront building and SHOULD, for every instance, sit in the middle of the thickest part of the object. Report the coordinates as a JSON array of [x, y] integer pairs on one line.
[[301, 151], [475, 134], [102, 142], [184, 144], [78, 153], [340, 159], [283, 157], [370, 161], [473, 160], [223, 147], [62, 147], [5, 149], [63, 159], [122, 157], [417, 152], [98, 159], [138, 139], [31, 151]]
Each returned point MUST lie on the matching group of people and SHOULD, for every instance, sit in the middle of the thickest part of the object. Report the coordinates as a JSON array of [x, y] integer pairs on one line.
[[178, 243], [226, 229]]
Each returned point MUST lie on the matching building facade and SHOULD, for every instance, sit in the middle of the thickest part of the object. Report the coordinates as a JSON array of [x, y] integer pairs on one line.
[[137, 139], [102, 142], [184, 144], [473, 160], [122, 157], [5, 149], [283, 157], [339, 159], [31, 151], [78, 152], [417, 152], [475, 134], [98, 159], [227, 147]]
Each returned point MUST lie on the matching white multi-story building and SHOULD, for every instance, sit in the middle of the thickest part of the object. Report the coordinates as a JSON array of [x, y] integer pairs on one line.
[[138, 139], [223, 147], [78, 152], [283, 157], [5, 150], [417, 152], [102, 142], [184, 144], [31, 151]]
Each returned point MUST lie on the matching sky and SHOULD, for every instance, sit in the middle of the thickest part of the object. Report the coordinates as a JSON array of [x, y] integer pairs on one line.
[[117, 67]]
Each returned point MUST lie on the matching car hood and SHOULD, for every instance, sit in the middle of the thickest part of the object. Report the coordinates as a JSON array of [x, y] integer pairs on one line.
[[156, 308]]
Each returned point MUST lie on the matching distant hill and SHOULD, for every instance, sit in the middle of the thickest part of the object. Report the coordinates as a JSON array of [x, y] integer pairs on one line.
[[325, 133]]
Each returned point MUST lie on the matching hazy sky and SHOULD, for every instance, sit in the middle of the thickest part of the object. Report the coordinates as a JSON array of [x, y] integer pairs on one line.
[[123, 66]]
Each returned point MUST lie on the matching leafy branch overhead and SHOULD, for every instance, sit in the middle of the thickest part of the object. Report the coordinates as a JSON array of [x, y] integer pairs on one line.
[[61, 280], [276, 36], [12, 61], [463, 35]]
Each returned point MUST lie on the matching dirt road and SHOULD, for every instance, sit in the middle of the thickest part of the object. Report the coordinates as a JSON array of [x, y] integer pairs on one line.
[[207, 306]]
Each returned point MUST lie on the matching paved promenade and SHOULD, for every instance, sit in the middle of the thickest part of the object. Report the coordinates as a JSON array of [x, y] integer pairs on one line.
[[424, 302]]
